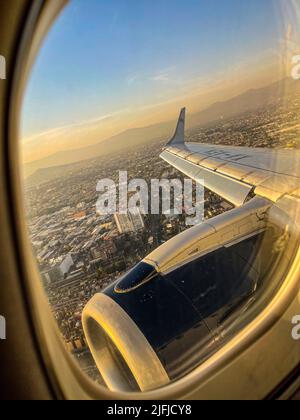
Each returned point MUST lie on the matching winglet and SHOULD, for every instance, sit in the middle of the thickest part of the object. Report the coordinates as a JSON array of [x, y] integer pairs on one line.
[[178, 137]]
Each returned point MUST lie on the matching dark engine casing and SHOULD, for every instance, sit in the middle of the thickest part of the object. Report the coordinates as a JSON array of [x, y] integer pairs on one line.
[[158, 327]]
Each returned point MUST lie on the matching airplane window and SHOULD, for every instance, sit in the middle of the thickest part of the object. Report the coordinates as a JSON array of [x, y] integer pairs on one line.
[[160, 159]]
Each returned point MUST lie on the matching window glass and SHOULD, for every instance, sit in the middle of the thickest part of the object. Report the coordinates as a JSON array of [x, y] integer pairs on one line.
[[117, 226]]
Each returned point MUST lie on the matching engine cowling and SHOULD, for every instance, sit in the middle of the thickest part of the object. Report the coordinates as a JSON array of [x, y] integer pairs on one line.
[[165, 316]]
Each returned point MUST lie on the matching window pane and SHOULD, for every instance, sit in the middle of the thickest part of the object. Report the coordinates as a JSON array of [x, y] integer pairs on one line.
[[100, 108]]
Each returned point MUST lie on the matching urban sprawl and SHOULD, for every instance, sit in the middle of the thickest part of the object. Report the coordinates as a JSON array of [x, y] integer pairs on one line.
[[80, 252]]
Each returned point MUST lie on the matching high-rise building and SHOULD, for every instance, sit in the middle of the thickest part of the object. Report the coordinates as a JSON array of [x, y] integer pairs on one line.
[[137, 221], [66, 264], [129, 222], [123, 223], [57, 272]]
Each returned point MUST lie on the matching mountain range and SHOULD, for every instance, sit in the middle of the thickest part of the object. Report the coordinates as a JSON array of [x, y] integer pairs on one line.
[[246, 102]]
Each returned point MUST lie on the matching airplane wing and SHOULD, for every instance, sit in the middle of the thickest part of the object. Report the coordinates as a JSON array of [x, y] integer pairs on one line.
[[235, 173], [201, 286]]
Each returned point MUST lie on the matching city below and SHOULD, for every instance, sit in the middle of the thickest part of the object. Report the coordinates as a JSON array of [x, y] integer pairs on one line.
[[80, 252]]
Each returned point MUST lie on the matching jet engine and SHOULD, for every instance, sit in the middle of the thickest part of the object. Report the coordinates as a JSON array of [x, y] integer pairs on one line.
[[169, 313]]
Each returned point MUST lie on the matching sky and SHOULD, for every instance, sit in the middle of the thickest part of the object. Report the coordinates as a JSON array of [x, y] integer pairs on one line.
[[107, 66]]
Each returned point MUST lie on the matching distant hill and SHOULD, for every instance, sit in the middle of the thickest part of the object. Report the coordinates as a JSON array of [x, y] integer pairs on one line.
[[122, 141], [248, 101], [42, 175]]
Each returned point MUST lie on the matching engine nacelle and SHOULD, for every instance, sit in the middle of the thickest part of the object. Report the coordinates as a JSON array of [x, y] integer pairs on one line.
[[166, 315]]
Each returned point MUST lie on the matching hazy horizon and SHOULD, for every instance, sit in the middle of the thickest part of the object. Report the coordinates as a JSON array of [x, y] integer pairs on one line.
[[171, 121], [125, 75]]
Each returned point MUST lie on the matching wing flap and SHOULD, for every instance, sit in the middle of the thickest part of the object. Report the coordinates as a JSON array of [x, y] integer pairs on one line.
[[231, 189], [235, 172]]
